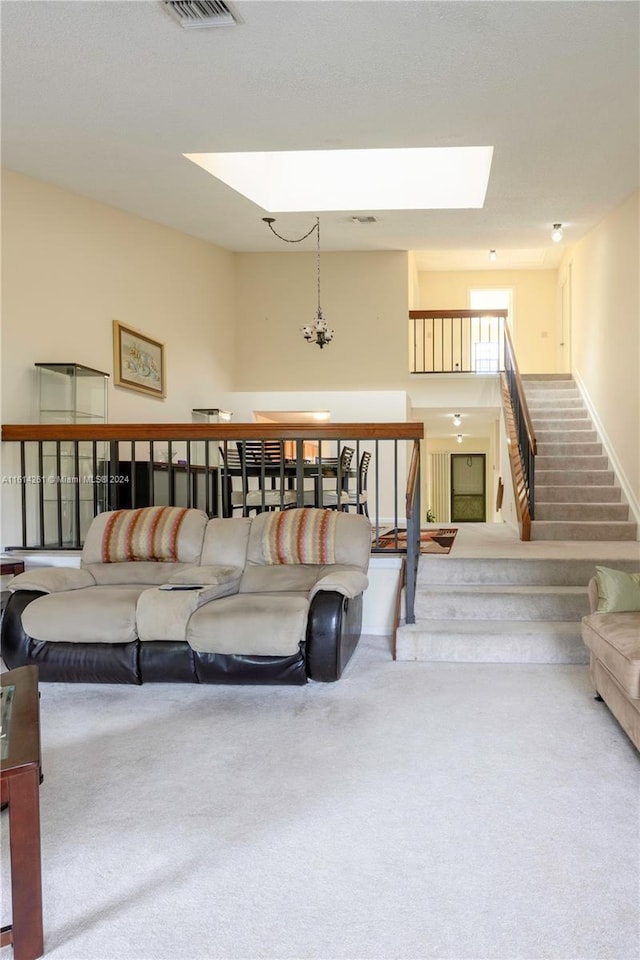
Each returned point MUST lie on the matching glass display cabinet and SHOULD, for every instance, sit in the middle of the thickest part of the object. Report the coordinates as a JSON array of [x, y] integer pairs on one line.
[[71, 470]]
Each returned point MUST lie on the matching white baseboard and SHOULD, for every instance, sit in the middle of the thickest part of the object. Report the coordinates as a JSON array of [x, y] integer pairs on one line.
[[627, 489]]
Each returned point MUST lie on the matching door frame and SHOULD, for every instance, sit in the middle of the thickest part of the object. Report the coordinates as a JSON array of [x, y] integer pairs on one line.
[[483, 456]]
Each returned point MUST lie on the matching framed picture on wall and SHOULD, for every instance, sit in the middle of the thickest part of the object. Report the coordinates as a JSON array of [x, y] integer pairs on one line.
[[138, 361]]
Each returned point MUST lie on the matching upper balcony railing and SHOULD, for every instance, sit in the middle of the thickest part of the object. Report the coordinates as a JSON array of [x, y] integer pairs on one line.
[[457, 341]]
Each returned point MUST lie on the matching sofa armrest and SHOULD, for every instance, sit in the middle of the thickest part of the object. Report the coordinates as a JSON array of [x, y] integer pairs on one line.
[[163, 613], [333, 630], [350, 583], [52, 579]]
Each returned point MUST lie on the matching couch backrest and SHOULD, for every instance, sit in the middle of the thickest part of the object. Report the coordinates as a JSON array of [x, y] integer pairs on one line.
[[158, 537], [310, 536]]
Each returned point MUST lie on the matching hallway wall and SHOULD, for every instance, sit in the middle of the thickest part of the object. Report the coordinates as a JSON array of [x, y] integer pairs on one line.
[[606, 333]]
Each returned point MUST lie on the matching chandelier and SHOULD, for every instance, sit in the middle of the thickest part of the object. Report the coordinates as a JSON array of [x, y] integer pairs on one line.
[[317, 332]]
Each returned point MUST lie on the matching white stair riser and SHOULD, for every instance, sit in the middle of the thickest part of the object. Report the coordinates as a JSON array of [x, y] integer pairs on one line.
[[492, 571], [523, 605], [571, 463], [581, 511], [571, 477], [572, 493], [585, 530], [570, 447], [549, 645]]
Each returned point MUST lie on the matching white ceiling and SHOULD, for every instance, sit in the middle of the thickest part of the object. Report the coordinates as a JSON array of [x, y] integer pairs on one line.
[[103, 98]]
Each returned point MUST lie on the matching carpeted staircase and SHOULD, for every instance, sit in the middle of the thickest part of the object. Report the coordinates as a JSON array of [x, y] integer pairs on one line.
[[494, 610], [576, 494]]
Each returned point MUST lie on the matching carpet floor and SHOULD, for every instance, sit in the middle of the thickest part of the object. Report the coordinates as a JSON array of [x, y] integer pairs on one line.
[[410, 811]]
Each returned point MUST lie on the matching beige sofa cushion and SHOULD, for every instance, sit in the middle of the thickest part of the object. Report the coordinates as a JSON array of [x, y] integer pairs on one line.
[[614, 638], [144, 572], [292, 578], [264, 625], [52, 579], [92, 615], [186, 549], [352, 539], [163, 614], [225, 541]]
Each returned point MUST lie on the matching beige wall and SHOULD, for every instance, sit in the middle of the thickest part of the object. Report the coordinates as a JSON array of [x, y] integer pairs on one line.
[[70, 266], [364, 298], [535, 307], [606, 333]]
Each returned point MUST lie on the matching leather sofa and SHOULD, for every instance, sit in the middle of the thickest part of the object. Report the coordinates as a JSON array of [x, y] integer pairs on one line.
[[613, 640], [166, 594]]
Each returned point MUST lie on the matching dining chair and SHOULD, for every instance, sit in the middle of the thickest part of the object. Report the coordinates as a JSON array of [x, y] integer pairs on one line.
[[359, 497], [332, 494], [260, 487]]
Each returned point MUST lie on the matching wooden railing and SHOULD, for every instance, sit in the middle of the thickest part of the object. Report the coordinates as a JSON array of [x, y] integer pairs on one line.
[[57, 477], [457, 341], [412, 510], [523, 444]]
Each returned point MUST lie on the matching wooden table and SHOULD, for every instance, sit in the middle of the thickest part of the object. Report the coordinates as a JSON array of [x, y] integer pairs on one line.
[[19, 786]]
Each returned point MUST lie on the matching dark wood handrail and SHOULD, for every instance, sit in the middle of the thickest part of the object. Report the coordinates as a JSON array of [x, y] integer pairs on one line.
[[515, 462], [213, 431], [412, 477], [455, 314], [531, 437]]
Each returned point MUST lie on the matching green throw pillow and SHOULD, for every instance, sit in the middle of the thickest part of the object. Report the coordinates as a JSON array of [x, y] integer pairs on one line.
[[618, 592]]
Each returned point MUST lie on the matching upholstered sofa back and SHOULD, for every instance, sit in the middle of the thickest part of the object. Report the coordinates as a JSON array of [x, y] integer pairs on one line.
[[143, 546]]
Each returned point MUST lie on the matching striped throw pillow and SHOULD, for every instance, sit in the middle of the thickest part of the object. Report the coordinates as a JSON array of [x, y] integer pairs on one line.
[[150, 533], [300, 536]]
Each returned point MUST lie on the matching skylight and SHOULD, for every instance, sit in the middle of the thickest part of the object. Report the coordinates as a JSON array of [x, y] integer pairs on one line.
[[425, 178]]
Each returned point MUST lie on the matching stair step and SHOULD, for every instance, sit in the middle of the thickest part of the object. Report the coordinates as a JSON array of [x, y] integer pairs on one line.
[[581, 511], [571, 462], [436, 570], [540, 402], [548, 386], [569, 477], [503, 602], [548, 420], [572, 493], [570, 448], [562, 437], [475, 641], [582, 530]]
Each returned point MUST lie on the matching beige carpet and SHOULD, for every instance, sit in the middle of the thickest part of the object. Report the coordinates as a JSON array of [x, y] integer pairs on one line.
[[408, 812]]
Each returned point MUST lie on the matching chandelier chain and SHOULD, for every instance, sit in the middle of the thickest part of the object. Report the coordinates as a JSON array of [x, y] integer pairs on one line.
[[317, 333]]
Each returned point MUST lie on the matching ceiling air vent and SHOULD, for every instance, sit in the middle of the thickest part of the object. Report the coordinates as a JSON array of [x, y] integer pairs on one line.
[[202, 13], [364, 220]]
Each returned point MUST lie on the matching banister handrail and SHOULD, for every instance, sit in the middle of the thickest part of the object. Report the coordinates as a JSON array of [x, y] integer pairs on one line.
[[454, 314], [412, 510], [511, 353], [412, 477], [516, 464], [217, 431]]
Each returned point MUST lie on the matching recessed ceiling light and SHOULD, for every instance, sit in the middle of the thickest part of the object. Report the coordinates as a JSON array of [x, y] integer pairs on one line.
[[424, 178]]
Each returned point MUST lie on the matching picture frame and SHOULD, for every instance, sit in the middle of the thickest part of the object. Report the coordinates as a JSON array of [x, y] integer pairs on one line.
[[138, 361]]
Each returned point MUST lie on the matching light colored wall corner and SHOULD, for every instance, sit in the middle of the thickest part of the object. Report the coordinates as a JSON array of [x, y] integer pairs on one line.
[[632, 496], [379, 601], [364, 299], [535, 307], [72, 265], [606, 335]]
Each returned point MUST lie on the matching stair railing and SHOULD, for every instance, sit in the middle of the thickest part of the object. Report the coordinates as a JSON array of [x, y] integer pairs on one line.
[[412, 509], [522, 436], [457, 341]]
